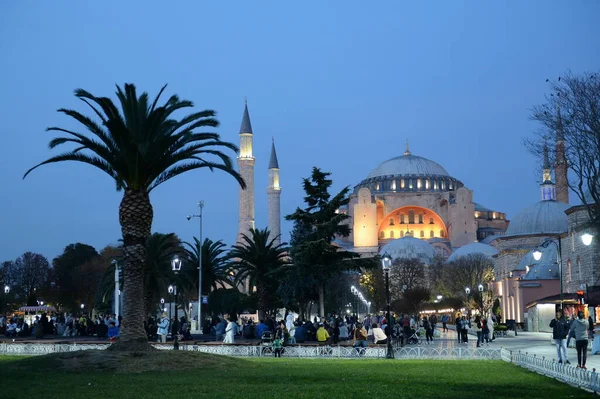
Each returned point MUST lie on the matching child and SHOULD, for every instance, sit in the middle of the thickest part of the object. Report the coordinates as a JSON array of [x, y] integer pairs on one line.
[[277, 345], [113, 332]]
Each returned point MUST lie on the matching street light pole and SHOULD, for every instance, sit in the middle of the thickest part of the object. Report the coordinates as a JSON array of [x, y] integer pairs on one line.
[[468, 292], [176, 266], [386, 262], [6, 291], [199, 216], [117, 287], [537, 255]]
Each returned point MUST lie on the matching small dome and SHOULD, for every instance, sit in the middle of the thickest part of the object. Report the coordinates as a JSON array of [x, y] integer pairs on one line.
[[545, 217], [409, 248], [473, 248], [408, 165], [544, 269]]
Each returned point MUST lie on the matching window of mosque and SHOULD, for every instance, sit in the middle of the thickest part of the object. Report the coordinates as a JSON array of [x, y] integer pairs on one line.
[[443, 184], [418, 184], [451, 186], [435, 184], [410, 184], [391, 221], [426, 184], [391, 233], [431, 233], [382, 234], [442, 233], [422, 234], [421, 218], [411, 217], [393, 184], [430, 220], [402, 183], [377, 187], [402, 218]]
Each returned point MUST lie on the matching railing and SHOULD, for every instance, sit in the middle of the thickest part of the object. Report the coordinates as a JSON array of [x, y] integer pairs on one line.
[[586, 379], [346, 352]]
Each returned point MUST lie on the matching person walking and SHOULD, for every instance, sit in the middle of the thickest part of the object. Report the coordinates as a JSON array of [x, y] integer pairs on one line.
[[444, 322], [580, 327], [428, 325], [163, 329], [478, 331], [559, 333]]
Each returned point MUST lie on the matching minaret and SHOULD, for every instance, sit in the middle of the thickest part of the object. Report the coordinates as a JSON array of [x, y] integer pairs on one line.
[[560, 168], [547, 188], [274, 197], [246, 169]]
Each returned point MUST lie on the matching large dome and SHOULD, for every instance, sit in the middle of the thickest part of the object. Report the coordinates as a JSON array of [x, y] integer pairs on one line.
[[409, 248], [410, 173], [473, 248], [545, 217], [409, 165]]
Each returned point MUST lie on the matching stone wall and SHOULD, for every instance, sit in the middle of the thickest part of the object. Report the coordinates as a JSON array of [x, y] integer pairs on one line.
[[580, 262]]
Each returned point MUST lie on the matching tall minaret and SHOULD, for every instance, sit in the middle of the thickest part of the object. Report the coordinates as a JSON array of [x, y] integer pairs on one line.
[[274, 194], [547, 188], [560, 168], [246, 169]]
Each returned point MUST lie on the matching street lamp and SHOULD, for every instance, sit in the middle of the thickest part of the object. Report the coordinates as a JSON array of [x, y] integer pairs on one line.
[[199, 216], [537, 255], [468, 292], [386, 263], [480, 289], [6, 291], [117, 292], [176, 264], [587, 239]]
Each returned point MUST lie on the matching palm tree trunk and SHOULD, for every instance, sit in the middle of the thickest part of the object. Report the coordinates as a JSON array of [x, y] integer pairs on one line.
[[321, 300], [135, 217], [262, 301]]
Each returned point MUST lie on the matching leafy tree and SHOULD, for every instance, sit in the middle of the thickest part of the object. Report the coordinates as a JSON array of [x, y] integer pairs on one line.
[[315, 253], [373, 281], [68, 275], [140, 147], [412, 300], [406, 274], [468, 271], [571, 114], [27, 274], [230, 300], [214, 264], [258, 260]]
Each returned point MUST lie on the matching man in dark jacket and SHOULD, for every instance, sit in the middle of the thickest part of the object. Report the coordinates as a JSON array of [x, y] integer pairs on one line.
[[560, 329]]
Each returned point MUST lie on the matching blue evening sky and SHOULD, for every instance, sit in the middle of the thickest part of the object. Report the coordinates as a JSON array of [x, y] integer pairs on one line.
[[339, 84]]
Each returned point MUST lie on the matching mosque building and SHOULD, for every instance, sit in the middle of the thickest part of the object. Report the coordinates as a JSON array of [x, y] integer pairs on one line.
[[410, 206]]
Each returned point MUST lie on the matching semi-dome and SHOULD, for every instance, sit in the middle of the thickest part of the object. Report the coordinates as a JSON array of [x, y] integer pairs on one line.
[[408, 165], [473, 248], [409, 173], [545, 217], [409, 248]]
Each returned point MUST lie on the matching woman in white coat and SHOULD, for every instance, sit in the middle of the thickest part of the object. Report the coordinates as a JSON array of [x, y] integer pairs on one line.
[[490, 324], [230, 331]]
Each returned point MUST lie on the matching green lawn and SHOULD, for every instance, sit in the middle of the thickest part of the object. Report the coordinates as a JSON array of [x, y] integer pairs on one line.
[[290, 378]]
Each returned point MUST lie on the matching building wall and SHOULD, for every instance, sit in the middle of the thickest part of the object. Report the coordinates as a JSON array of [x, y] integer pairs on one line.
[[580, 263], [461, 221], [364, 212]]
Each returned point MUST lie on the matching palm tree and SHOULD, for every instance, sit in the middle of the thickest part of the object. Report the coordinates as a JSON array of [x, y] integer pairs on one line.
[[214, 264], [258, 260], [140, 146]]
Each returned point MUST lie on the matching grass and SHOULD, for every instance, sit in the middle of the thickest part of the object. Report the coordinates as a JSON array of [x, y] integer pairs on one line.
[[221, 377]]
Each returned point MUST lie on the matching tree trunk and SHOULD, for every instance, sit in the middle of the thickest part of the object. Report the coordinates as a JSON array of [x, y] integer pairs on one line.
[[261, 301], [321, 300], [135, 217]]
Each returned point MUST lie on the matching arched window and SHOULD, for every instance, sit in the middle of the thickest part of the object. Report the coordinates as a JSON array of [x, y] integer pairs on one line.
[[431, 234], [422, 234], [391, 233], [382, 235], [442, 233], [402, 218], [430, 220], [421, 218], [411, 217], [419, 184], [391, 221]]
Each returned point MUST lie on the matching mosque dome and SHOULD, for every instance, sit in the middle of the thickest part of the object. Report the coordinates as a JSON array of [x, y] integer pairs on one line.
[[409, 173], [473, 248], [409, 248], [545, 217], [544, 269]]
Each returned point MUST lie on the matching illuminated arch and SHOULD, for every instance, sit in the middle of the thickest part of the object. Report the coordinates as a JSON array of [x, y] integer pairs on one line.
[[432, 222]]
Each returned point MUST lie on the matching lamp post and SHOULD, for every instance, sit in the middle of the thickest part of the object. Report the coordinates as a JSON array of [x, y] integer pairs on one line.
[[176, 266], [199, 216], [117, 287], [468, 292], [480, 289], [170, 289], [6, 291], [537, 255], [386, 262], [82, 307], [587, 238]]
